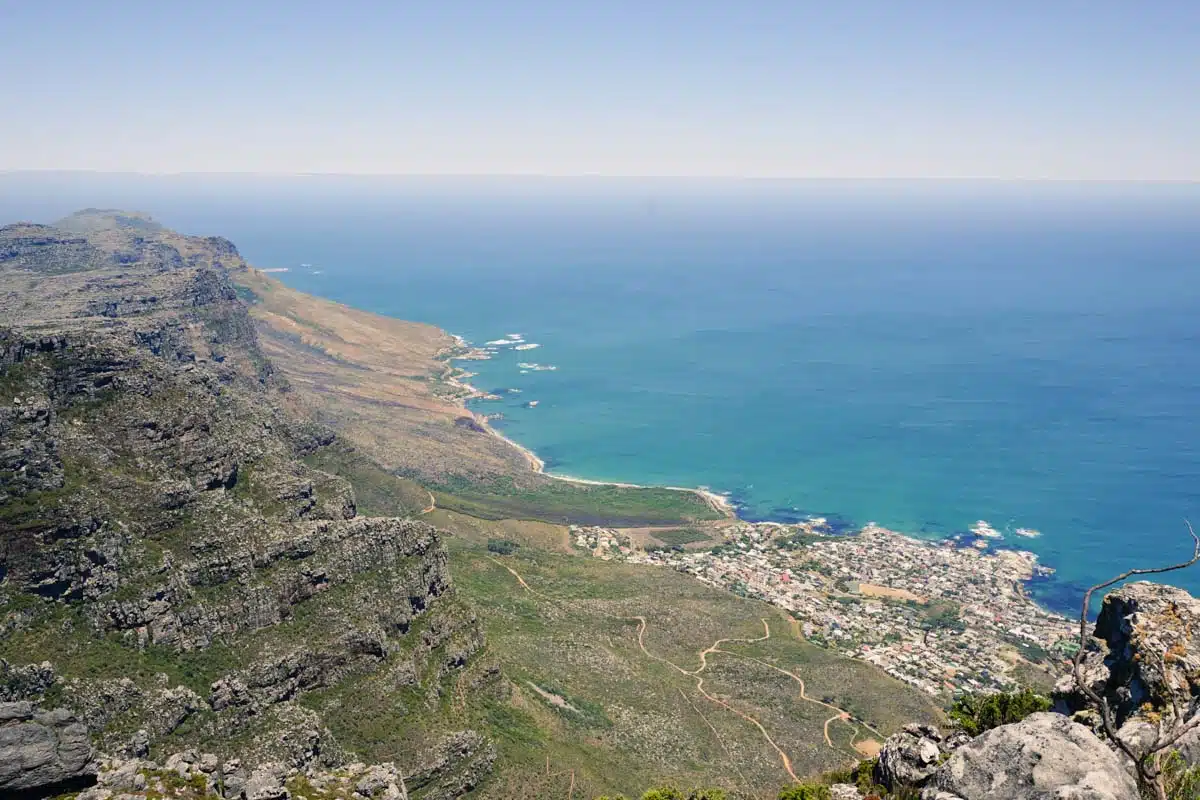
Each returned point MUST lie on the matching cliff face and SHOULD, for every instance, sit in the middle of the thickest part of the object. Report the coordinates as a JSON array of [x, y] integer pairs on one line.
[[189, 579]]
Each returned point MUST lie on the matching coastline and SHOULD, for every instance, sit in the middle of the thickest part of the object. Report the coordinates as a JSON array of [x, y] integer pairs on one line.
[[465, 392], [457, 378]]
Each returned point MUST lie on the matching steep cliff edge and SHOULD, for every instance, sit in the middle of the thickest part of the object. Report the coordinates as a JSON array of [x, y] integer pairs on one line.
[[163, 545]]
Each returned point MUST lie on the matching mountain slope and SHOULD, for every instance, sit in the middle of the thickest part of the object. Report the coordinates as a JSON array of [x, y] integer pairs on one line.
[[163, 544], [390, 390]]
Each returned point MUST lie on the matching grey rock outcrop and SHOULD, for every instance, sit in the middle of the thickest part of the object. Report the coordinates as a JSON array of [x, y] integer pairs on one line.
[[25, 681], [156, 497], [43, 752], [844, 791], [266, 783], [454, 767], [1044, 756], [137, 778], [1145, 663], [908, 758], [1147, 649]]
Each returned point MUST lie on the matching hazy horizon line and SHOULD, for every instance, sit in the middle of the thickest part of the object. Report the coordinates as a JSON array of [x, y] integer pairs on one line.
[[603, 177]]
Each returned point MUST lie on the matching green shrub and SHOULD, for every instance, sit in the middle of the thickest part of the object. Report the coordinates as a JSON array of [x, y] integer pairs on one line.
[[862, 775], [1181, 781], [806, 791], [664, 793], [671, 793], [502, 547], [976, 713]]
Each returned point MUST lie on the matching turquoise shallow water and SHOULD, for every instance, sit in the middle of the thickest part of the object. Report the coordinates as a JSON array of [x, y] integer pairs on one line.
[[921, 357]]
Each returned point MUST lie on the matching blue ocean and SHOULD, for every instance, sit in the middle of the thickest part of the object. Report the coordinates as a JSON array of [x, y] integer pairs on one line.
[[920, 355]]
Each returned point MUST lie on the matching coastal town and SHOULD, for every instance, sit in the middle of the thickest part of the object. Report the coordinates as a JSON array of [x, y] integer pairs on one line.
[[947, 617], [943, 617]]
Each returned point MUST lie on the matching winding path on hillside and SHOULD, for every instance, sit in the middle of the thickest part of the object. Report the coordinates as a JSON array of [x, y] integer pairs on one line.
[[841, 714], [715, 647], [521, 580]]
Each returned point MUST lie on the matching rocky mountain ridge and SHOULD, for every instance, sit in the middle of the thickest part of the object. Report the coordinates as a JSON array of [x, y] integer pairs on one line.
[[163, 545]]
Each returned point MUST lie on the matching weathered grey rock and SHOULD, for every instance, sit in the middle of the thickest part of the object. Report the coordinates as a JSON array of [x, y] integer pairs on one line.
[[233, 778], [1140, 734], [208, 763], [266, 783], [183, 764], [155, 481], [909, 757], [139, 745], [1044, 756], [126, 779], [25, 681], [844, 791], [46, 751], [454, 767], [381, 782], [124, 775]]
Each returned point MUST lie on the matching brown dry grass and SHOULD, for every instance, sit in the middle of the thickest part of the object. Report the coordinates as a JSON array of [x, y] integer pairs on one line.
[[377, 380], [527, 533], [872, 590]]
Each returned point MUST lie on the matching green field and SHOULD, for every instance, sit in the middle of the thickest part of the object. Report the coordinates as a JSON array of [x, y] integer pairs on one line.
[[679, 537], [563, 502], [377, 492]]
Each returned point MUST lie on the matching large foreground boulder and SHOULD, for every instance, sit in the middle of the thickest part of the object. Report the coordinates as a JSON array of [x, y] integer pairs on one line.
[[1042, 757], [43, 753]]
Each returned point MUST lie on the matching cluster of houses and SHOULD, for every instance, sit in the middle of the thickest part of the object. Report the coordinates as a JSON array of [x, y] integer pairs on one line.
[[943, 617]]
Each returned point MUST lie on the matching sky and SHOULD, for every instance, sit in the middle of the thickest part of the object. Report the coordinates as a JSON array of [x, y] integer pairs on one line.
[[1053, 89]]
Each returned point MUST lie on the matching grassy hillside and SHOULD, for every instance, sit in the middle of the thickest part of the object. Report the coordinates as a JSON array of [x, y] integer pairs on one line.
[[381, 382], [586, 699], [584, 704]]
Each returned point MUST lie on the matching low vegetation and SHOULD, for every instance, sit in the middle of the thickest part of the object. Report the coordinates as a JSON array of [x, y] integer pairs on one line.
[[679, 537], [571, 639], [564, 502], [976, 713], [1180, 781], [502, 547], [377, 492]]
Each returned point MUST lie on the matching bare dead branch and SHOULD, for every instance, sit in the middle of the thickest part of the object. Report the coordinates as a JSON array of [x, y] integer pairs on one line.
[[1179, 733], [1146, 763]]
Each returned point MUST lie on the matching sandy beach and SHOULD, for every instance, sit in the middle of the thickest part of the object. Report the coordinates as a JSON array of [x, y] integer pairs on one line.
[[717, 502]]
